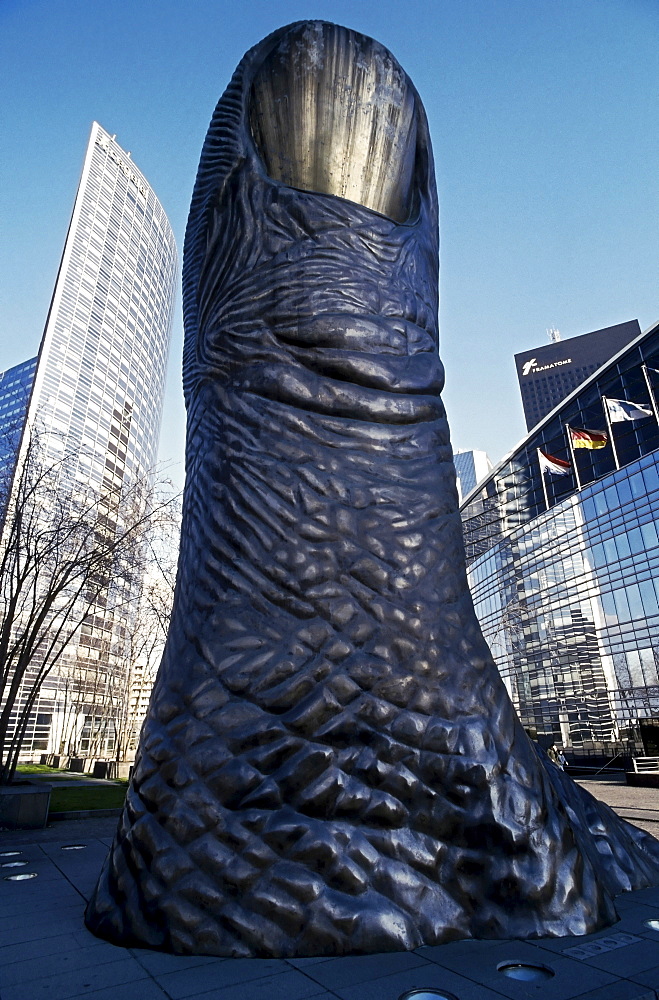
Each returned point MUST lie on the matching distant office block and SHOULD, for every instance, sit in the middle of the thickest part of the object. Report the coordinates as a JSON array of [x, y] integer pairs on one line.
[[99, 383], [470, 468], [548, 374]]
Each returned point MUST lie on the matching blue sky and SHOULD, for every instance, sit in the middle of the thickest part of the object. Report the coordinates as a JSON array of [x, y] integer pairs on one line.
[[544, 116]]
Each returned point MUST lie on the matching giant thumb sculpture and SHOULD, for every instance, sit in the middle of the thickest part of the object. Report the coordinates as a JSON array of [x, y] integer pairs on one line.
[[331, 763]]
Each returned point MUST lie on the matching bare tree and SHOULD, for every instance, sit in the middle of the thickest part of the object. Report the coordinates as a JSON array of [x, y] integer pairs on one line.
[[114, 698], [71, 561], [146, 634]]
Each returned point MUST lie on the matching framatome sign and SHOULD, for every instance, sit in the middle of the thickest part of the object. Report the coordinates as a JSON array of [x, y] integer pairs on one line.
[[532, 367]]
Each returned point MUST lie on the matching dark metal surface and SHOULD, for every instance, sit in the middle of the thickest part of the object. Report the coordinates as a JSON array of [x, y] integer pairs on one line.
[[331, 763]]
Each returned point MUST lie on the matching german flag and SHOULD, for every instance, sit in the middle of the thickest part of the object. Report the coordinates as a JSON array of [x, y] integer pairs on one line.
[[588, 439]]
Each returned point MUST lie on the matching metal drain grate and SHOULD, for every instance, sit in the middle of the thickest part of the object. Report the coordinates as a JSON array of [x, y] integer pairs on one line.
[[601, 945]]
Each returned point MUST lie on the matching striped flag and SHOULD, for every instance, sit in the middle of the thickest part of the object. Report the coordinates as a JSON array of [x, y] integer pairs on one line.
[[582, 438], [548, 463]]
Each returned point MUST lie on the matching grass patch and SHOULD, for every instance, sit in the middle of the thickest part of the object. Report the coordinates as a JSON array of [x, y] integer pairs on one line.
[[39, 769], [52, 773], [88, 797]]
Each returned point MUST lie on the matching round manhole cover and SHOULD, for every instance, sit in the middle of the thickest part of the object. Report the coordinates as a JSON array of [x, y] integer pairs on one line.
[[427, 993], [525, 972]]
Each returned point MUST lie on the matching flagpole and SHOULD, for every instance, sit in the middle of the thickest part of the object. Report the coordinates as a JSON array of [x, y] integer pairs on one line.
[[653, 399], [574, 460], [607, 417], [544, 484]]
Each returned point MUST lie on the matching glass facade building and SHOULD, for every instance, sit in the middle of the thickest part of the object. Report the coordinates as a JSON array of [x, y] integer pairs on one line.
[[470, 468], [566, 586], [15, 390], [100, 374]]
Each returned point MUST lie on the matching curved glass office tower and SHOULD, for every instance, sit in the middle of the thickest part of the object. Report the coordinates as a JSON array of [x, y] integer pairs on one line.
[[565, 575], [99, 382]]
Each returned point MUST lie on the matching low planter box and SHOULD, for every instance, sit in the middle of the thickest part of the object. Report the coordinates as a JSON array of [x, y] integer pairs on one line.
[[643, 779], [50, 759], [112, 769], [24, 805]]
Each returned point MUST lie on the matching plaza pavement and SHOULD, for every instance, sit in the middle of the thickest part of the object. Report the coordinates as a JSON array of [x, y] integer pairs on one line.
[[46, 951]]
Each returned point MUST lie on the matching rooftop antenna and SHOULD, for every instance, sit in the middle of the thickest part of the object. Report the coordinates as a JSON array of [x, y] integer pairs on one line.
[[554, 334]]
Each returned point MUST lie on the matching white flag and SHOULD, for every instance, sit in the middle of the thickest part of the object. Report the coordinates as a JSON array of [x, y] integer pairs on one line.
[[620, 409]]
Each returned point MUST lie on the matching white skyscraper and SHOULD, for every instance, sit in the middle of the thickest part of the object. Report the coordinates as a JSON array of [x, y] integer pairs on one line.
[[99, 383], [100, 376]]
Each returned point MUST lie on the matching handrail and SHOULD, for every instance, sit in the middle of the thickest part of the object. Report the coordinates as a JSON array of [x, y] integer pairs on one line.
[[584, 767], [619, 754], [646, 764]]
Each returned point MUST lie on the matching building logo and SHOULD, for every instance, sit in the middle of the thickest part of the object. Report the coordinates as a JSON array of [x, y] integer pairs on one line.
[[532, 367], [105, 143]]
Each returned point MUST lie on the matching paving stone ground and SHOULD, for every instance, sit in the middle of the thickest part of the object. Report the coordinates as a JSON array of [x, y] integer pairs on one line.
[[46, 951]]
